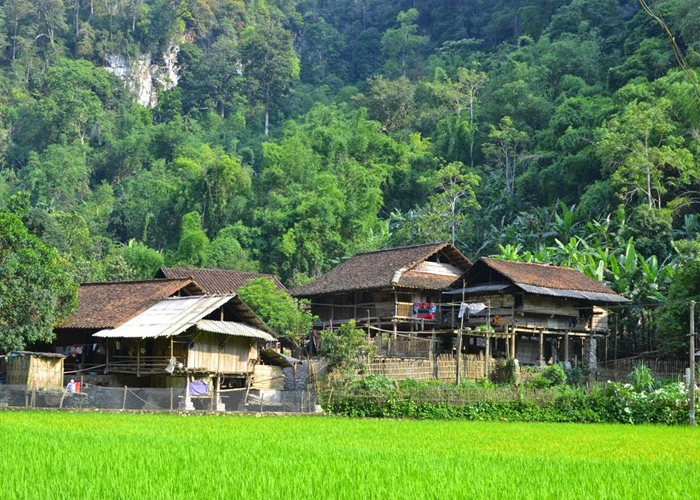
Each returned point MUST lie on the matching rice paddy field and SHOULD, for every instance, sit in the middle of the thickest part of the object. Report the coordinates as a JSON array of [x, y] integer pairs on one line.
[[158, 456]]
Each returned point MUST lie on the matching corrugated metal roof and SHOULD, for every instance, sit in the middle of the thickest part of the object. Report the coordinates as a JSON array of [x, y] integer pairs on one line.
[[480, 288], [275, 358], [574, 294], [233, 328], [168, 317]]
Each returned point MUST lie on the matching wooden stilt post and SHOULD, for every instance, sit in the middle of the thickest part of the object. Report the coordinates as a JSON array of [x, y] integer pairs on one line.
[[691, 376], [541, 346], [138, 358], [512, 344], [107, 358], [487, 366], [458, 364], [566, 348]]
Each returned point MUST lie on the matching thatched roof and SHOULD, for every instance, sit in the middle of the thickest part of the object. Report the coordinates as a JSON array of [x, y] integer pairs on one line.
[[216, 280], [541, 279], [108, 305], [392, 267]]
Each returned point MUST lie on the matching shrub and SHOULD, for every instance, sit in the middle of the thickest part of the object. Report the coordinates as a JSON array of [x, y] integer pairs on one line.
[[642, 378], [377, 396], [540, 382], [555, 374], [576, 376], [510, 372]]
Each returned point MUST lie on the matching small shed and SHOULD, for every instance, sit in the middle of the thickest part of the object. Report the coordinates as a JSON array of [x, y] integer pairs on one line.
[[35, 370]]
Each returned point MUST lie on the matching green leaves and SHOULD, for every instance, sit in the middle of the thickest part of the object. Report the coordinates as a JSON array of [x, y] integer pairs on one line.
[[287, 316], [36, 290]]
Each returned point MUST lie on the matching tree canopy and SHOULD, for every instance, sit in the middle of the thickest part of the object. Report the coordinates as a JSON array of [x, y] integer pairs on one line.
[[295, 133]]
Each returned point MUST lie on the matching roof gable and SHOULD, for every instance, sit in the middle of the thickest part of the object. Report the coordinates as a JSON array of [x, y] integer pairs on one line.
[[175, 315], [541, 279], [108, 305], [545, 275], [388, 268], [216, 280]]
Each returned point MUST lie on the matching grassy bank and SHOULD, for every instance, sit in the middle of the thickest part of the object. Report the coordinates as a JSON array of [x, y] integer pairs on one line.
[[91, 455]]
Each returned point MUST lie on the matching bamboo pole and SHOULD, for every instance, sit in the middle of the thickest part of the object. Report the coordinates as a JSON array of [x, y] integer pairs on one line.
[[458, 364], [691, 381]]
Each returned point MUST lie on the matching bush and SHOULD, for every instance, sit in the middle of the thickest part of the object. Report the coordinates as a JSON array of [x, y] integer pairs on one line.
[[576, 376], [377, 396], [555, 374], [643, 378]]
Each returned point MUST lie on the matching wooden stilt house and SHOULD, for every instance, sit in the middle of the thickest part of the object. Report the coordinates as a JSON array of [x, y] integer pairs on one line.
[[394, 293], [165, 333], [536, 313]]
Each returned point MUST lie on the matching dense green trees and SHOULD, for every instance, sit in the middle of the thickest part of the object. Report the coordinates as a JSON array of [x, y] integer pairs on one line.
[[301, 132], [35, 290]]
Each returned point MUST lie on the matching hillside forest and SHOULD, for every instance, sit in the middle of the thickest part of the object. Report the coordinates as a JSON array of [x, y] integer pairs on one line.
[[286, 135]]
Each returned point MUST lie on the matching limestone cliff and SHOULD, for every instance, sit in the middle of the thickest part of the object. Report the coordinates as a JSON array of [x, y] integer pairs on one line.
[[145, 76]]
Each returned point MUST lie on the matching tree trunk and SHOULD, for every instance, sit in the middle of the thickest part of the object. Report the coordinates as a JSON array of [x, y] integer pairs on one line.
[[471, 130], [77, 18], [650, 198]]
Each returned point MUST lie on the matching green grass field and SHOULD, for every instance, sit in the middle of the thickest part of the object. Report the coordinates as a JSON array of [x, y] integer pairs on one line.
[[102, 456]]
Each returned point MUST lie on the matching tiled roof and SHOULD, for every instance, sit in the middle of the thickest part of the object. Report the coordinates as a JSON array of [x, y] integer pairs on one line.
[[216, 280], [108, 305], [386, 268], [543, 275]]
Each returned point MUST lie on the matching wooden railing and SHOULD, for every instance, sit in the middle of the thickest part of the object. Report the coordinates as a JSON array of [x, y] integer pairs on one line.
[[359, 312], [140, 364]]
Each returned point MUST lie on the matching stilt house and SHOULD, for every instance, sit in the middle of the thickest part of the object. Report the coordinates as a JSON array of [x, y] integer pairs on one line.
[[536, 313], [163, 333], [396, 292]]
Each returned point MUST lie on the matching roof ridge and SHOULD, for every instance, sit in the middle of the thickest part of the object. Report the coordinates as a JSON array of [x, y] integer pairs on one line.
[[213, 269], [122, 282], [540, 264], [402, 248]]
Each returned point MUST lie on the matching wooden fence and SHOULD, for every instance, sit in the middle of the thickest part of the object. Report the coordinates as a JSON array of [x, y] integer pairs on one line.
[[620, 369], [443, 368]]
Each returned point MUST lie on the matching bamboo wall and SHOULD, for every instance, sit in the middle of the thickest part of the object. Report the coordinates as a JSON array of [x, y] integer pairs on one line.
[[268, 377], [444, 368], [216, 353], [36, 372]]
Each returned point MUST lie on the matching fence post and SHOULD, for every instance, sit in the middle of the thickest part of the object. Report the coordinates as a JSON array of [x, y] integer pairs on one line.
[[124, 400], [171, 399], [691, 378]]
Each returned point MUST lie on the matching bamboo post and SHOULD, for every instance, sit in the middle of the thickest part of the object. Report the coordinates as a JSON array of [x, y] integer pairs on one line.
[[458, 364], [541, 348], [124, 400], [487, 367], [171, 398], [433, 355], [691, 378], [211, 395], [106, 357], [33, 363]]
